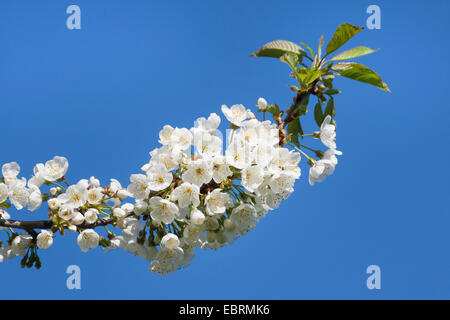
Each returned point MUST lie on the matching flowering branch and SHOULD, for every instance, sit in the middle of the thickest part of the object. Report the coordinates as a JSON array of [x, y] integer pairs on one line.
[[191, 194]]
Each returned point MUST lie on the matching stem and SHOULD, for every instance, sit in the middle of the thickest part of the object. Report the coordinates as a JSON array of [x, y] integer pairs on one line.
[[311, 149], [309, 158], [57, 184]]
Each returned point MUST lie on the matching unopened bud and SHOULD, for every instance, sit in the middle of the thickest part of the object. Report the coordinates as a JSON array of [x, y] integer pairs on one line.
[[119, 213], [53, 191], [122, 194], [262, 104]]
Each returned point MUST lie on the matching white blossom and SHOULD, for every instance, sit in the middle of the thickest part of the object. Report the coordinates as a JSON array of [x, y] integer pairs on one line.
[[209, 125], [186, 194], [165, 134], [196, 216], [139, 187], [18, 194], [88, 239], [91, 215], [35, 199], [181, 138], [119, 213], [55, 169], [21, 243], [221, 170], [3, 192], [76, 195], [162, 210], [320, 170], [217, 202], [65, 212], [10, 171], [76, 218], [44, 239], [95, 195], [198, 172], [236, 114], [159, 178], [170, 241], [328, 133], [53, 203], [252, 177], [4, 215]]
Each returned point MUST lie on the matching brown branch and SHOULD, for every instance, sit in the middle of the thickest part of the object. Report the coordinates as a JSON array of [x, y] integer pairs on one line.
[[29, 226], [292, 111]]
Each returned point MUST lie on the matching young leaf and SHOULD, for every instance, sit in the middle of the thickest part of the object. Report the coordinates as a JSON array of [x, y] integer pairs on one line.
[[342, 34], [361, 73], [294, 129], [311, 75], [291, 59], [328, 81], [277, 48], [309, 49], [331, 92], [5, 205], [330, 110], [319, 52], [274, 110], [318, 114], [301, 108], [353, 53]]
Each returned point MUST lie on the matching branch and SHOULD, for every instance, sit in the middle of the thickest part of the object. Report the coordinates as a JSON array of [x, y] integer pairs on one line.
[[29, 226], [292, 111]]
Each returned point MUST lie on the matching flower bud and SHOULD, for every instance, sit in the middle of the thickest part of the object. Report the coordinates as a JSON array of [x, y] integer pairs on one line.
[[128, 207], [170, 241], [53, 191], [210, 236], [91, 216], [77, 219], [262, 104], [119, 213], [197, 217], [94, 182], [123, 193], [221, 238], [228, 225]]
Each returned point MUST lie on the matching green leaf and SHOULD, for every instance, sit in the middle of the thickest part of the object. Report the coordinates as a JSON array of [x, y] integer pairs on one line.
[[302, 108], [5, 205], [311, 75], [291, 59], [277, 48], [319, 52], [328, 81], [318, 114], [331, 92], [294, 129], [353, 53], [309, 49], [274, 110], [342, 34], [330, 110], [361, 73]]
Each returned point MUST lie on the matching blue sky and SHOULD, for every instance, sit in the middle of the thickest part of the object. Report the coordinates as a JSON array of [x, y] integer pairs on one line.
[[100, 95]]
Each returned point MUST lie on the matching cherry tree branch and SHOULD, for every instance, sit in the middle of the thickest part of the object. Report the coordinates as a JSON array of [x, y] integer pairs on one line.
[[29, 226]]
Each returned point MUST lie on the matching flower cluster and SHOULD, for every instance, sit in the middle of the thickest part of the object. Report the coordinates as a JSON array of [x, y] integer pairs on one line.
[[199, 189], [325, 166]]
